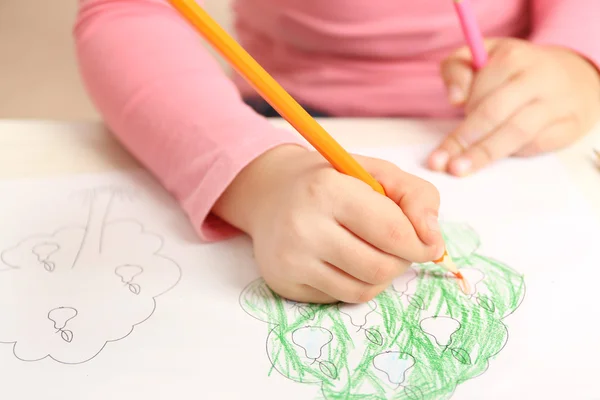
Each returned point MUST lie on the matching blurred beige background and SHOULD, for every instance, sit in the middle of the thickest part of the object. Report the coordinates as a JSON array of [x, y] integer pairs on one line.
[[38, 72]]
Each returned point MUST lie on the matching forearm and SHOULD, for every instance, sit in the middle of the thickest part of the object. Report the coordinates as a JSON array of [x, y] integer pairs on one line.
[[168, 102]]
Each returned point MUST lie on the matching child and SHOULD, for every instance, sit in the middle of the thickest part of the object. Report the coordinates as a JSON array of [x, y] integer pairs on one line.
[[318, 235]]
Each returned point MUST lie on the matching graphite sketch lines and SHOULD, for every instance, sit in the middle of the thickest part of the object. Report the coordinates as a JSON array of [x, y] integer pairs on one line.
[[84, 286]]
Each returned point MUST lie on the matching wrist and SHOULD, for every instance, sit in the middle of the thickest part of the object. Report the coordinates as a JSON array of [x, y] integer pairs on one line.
[[593, 66], [240, 203]]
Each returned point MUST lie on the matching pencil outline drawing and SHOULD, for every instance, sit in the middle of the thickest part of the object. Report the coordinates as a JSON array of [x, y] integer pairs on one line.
[[44, 256], [417, 340], [65, 334], [79, 270]]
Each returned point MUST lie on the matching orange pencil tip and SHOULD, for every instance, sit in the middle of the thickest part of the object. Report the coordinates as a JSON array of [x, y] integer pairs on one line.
[[459, 276], [441, 259]]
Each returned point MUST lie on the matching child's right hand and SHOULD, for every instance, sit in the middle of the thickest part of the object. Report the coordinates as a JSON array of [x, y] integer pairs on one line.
[[321, 236]]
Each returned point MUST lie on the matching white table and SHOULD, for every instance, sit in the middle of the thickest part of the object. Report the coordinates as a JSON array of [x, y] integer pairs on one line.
[[30, 148]]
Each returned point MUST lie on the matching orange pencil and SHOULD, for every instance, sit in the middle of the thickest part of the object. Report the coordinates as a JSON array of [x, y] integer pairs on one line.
[[273, 93], [278, 98]]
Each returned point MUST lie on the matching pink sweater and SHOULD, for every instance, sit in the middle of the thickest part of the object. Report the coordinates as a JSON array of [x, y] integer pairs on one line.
[[169, 103]]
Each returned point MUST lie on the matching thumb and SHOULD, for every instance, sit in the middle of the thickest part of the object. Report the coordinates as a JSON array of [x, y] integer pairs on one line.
[[458, 75]]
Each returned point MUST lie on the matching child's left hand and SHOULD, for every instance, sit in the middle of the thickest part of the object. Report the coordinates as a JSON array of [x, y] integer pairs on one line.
[[527, 100]]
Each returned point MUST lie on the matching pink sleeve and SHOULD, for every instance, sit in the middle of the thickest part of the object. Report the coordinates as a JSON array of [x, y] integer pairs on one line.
[[568, 23], [169, 103]]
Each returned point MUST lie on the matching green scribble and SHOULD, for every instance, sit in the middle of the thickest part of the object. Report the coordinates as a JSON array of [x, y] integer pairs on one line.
[[417, 340]]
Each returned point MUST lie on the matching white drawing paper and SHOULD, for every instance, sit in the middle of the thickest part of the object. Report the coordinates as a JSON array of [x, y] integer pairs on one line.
[[105, 292]]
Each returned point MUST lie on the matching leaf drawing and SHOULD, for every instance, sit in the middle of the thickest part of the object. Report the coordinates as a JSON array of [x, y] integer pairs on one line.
[[305, 312], [374, 336], [134, 288], [486, 303], [416, 302], [67, 336], [461, 355], [328, 369]]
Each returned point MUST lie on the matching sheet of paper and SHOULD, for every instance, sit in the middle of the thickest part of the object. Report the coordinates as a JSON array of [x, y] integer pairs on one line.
[[105, 292]]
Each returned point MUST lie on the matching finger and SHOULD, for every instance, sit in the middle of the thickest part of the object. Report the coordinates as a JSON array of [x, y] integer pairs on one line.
[[300, 293], [359, 259], [418, 199], [457, 73], [509, 59], [483, 120], [336, 283], [553, 137], [507, 139], [384, 221]]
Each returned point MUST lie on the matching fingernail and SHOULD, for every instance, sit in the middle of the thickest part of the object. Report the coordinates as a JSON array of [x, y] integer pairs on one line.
[[433, 222], [440, 252], [439, 159], [462, 166], [456, 94]]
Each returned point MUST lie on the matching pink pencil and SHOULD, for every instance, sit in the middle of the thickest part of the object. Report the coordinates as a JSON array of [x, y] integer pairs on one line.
[[472, 32]]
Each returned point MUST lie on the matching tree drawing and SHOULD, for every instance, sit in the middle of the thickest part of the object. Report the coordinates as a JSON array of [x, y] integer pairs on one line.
[[417, 340], [83, 286]]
